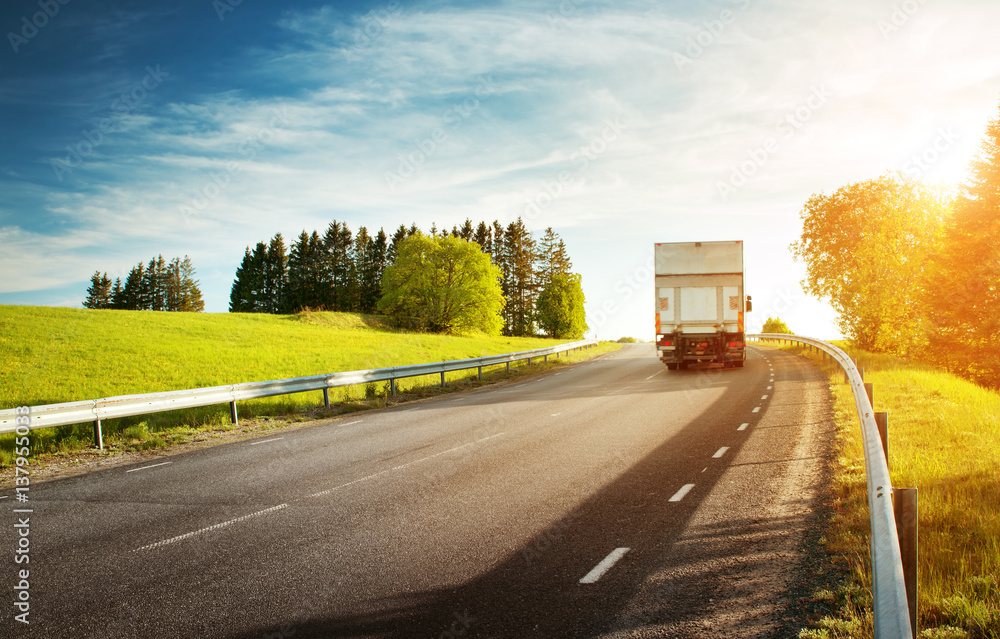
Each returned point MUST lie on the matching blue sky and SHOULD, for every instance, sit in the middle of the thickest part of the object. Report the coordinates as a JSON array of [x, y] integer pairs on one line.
[[196, 127]]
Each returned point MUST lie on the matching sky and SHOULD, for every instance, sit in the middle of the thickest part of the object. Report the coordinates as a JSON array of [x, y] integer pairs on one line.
[[200, 127]]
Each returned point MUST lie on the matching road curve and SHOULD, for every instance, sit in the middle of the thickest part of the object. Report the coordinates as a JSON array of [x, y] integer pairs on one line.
[[608, 499]]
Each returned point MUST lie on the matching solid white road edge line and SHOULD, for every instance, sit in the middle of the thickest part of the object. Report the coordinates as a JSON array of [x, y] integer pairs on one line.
[[210, 528], [679, 495], [605, 565], [145, 467]]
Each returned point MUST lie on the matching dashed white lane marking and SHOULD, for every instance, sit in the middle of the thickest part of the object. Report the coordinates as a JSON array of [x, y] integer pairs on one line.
[[210, 528], [679, 495], [401, 466], [554, 414], [763, 396], [266, 441], [145, 467], [768, 388], [358, 421], [756, 410], [743, 426], [719, 453], [605, 565], [5, 497], [653, 375]]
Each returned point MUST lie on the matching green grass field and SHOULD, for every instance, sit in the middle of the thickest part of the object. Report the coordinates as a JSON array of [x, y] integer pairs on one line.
[[53, 355], [944, 440]]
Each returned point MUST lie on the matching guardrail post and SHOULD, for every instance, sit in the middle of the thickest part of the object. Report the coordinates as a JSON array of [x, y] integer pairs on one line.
[[882, 421], [232, 412], [904, 508], [870, 392], [392, 387], [529, 361], [98, 436], [326, 398], [442, 379], [480, 373]]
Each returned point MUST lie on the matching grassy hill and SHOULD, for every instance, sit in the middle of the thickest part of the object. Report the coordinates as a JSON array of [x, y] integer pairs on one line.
[[55, 355]]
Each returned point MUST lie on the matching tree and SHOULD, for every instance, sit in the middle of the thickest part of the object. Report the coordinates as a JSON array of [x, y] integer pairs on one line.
[[560, 307], [442, 284], [483, 238], [963, 291], [521, 284], [275, 275], [133, 292], [775, 325], [188, 295], [99, 292], [866, 248], [118, 294]]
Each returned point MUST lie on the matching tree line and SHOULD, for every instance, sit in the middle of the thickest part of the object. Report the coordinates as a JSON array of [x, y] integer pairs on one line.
[[343, 271], [914, 269], [157, 286]]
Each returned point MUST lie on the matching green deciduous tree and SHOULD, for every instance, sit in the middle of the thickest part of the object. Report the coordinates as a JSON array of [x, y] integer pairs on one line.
[[775, 325], [866, 249], [560, 307], [442, 284]]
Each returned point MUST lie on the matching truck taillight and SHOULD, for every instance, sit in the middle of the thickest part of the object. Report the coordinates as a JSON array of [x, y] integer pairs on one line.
[[736, 344], [665, 342]]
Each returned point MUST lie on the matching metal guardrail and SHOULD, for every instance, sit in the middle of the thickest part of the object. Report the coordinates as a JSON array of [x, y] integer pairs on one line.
[[95, 410], [891, 610]]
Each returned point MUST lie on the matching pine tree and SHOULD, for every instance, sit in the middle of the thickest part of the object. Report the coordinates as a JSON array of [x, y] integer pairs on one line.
[[274, 276], [241, 294], [483, 238], [466, 232], [117, 294], [340, 280], [133, 292], [189, 298], [520, 251], [99, 292], [397, 237]]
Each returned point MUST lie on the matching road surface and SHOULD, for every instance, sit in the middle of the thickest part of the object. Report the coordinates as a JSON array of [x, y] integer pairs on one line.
[[608, 499]]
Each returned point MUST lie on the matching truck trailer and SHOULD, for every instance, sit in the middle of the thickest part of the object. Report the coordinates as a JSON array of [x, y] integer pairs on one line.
[[700, 303]]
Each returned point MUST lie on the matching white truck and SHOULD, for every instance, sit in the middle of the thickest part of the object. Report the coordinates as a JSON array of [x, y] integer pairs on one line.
[[700, 303]]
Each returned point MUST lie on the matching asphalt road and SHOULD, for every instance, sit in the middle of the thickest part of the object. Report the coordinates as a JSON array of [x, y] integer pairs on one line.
[[502, 512]]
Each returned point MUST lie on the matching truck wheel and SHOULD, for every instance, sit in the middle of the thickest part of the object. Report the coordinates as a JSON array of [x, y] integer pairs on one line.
[[682, 366], [738, 364], [672, 367]]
